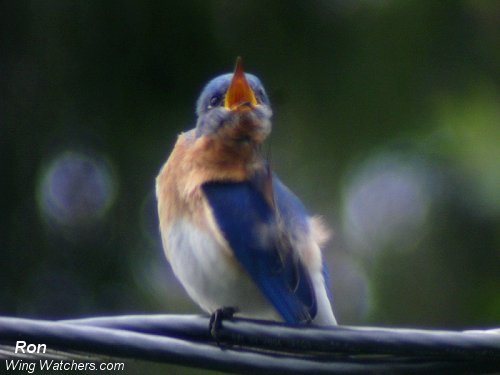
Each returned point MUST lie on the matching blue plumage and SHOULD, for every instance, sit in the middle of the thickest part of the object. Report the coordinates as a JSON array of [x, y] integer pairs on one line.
[[251, 227], [257, 249]]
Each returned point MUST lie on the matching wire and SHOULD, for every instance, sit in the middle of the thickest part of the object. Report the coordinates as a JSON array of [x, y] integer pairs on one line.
[[249, 346]]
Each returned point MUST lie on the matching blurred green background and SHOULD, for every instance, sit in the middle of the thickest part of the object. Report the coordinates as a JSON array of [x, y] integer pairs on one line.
[[387, 124]]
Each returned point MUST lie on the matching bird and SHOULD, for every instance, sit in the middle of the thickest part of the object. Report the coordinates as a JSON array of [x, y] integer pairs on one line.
[[235, 236]]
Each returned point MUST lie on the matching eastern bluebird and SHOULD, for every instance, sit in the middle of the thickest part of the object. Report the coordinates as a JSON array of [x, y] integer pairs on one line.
[[233, 233]]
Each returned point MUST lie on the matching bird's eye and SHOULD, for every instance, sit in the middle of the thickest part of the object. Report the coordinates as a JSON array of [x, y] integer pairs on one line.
[[215, 101]]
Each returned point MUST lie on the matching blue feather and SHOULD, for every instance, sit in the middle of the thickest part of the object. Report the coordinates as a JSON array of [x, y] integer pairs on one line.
[[295, 215], [250, 225]]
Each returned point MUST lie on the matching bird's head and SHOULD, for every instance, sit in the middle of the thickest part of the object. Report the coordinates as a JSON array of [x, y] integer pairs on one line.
[[235, 108]]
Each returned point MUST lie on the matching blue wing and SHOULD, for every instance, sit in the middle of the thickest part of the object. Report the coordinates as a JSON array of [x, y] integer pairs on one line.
[[295, 215], [250, 224]]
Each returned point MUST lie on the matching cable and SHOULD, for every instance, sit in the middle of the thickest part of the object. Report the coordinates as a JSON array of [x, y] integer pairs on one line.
[[249, 346]]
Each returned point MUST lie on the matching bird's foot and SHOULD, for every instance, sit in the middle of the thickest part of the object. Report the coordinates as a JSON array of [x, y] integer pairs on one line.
[[216, 321]]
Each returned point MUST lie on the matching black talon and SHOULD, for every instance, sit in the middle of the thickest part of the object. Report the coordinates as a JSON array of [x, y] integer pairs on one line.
[[216, 321]]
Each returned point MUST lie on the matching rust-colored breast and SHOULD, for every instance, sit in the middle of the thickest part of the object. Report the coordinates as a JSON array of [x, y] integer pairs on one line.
[[193, 162]]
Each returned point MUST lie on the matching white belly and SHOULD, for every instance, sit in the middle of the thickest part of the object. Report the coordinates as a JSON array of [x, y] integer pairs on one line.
[[211, 277]]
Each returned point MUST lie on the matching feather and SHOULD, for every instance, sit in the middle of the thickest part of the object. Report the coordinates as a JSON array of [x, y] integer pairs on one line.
[[260, 243]]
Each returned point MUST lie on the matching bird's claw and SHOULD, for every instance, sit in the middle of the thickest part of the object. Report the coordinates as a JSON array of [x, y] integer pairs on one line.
[[216, 319]]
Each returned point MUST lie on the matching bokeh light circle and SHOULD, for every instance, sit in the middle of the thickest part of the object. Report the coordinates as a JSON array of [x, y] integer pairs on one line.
[[76, 189], [386, 203]]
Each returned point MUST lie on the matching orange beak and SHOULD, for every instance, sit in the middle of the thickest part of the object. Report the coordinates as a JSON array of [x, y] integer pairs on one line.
[[239, 92]]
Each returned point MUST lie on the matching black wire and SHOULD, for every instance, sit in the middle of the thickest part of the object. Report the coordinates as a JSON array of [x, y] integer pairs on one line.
[[264, 347], [450, 345]]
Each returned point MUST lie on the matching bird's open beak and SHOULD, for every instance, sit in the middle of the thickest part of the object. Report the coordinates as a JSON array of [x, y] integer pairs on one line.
[[239, 95]]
